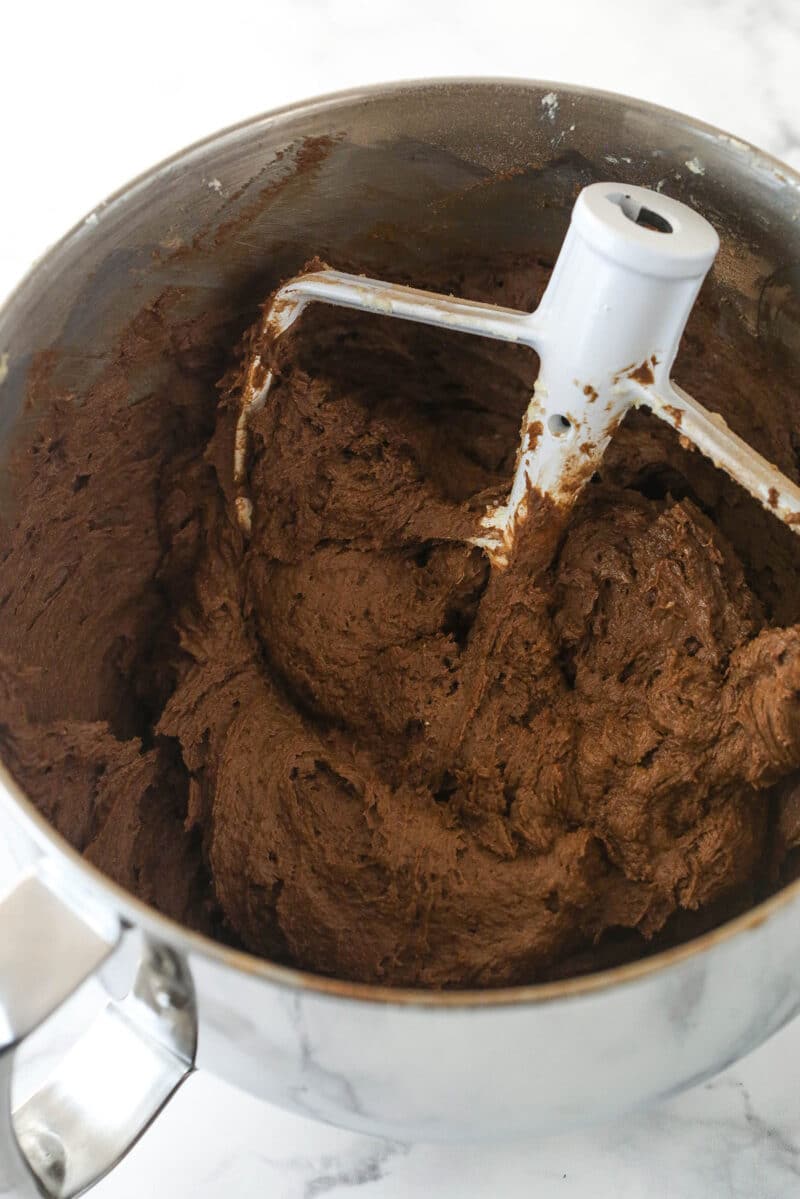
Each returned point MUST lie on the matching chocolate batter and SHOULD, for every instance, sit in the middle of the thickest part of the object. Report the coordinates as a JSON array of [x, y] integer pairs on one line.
[[348, 743]]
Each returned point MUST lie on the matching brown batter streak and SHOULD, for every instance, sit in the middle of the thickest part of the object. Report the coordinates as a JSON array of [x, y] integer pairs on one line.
[[643, 373], [535, 430]]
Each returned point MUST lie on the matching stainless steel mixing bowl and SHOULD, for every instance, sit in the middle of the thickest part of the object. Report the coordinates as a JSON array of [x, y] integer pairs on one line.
[[433, 167]]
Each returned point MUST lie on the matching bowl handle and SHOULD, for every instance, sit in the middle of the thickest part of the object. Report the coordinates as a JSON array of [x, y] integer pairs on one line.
[[122, 1070]]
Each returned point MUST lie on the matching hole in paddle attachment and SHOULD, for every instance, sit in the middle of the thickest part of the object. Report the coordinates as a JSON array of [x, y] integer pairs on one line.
[[558, 424], [645, 218]]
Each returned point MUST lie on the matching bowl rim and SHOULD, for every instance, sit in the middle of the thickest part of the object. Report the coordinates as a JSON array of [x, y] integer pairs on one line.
[[136, 912]]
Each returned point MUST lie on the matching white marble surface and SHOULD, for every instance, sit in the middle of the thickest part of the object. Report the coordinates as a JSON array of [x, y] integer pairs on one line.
[[93, 93]]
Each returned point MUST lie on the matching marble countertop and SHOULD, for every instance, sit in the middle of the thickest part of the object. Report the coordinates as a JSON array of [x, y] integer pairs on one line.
[[735, 1137], [95, 99]]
